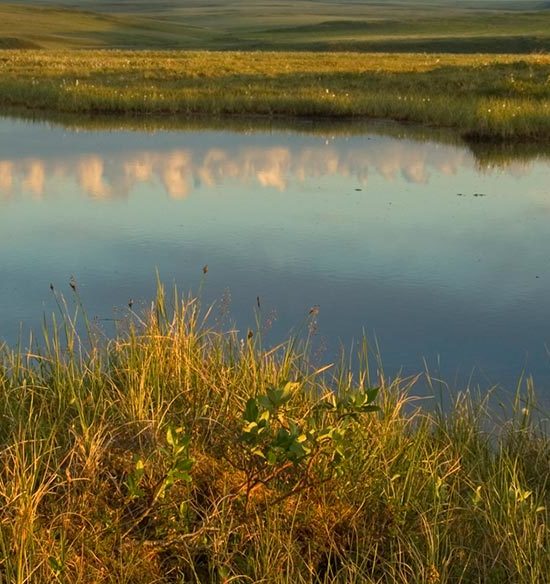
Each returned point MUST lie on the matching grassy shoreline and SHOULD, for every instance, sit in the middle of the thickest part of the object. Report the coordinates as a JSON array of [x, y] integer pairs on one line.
[[484, 97], [140, 459]]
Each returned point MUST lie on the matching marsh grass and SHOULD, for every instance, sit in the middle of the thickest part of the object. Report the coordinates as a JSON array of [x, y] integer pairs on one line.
[[485, 97], [424, 495]]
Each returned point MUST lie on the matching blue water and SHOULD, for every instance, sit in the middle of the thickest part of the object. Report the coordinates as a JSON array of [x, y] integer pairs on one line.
[[442, 257]]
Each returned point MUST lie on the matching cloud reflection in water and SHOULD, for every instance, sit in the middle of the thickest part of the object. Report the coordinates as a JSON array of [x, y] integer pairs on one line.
[[181, 171]]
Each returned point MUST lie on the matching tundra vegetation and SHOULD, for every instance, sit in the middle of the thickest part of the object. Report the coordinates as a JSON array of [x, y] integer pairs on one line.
[[486, 26], [479, 67], [176, 451], [483, 96]]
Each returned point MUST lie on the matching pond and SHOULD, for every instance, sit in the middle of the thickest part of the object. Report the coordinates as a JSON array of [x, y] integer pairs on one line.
[[438, 251]]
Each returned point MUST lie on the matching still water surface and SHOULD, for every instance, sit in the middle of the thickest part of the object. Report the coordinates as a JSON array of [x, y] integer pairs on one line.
[[440, 254]]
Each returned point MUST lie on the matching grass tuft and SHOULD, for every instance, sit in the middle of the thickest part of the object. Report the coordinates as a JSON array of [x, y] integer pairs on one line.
[[123, 460]]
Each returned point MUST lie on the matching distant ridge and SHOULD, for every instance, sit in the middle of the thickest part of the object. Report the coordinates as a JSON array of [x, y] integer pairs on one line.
[[425, 26]]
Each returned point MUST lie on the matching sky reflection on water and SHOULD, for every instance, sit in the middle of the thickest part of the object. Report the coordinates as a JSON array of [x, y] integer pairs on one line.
[[440, 256]]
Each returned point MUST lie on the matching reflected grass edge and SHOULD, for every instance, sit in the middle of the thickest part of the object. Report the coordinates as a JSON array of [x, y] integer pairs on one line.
[[485, 152]]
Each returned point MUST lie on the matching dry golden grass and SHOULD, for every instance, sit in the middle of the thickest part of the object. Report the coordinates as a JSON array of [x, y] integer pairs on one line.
[[483, 96], [421, 496]]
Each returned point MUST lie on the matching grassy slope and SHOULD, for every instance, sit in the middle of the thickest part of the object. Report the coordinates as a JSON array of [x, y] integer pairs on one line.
[[273, 25], [96, 486], [55, 28]]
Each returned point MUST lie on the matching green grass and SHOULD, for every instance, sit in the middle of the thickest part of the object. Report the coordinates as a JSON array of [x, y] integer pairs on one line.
[[90, 434], [61, 28], [483, 96], [402, 26], [468, 80]]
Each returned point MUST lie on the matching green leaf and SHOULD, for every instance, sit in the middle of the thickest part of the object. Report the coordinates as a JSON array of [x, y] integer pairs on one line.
[[359, 399], [179, 475], [353, 415], [178, 450], [372, 393], [282, 439], [251, 410], [275, 396], [297, 451], [265, 402], [184, 465], [133, 480], [272, 457]]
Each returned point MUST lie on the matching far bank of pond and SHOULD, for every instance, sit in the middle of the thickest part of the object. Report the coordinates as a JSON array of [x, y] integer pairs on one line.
[[484, 97]]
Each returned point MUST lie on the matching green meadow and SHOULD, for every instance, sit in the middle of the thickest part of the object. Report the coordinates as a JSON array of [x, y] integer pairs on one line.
[[481, 68], [436, 26], [484, 97], [176, 451]]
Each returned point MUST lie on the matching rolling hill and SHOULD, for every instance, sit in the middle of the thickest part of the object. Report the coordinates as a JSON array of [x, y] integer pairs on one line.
[[518, 26]]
